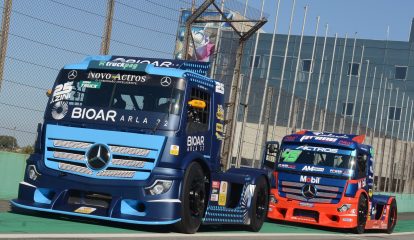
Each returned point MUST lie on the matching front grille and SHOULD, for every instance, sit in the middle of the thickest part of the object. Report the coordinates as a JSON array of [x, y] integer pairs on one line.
[[126, 163], [325, 194]]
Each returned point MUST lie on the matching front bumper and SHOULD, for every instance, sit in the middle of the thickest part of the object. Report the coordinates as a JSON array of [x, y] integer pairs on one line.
[[120, 201], [321, 214]]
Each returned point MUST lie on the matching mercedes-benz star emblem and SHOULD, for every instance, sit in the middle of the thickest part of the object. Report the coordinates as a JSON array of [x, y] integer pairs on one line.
[[98, 156], [165, 81], [72, 74], [309, 191]]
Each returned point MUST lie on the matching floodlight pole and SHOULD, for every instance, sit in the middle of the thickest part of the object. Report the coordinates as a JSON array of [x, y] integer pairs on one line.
[[106, 38], [234, 95], [5, 25]]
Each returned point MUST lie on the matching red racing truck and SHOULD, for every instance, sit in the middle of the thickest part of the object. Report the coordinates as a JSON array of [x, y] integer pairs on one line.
[[327, 179]]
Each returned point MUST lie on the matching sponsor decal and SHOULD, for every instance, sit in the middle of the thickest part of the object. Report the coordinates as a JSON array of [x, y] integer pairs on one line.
[[336, 171], [306, 204], [59, 110], [117, 77], [215, 190], [216, 184], [92, 114], [214, 197], [307, 179], [62, 92], [165, 81], [289, 138], [370, 193], [318, 149], [90, 84], [220, 87], [220, 112], [345, 142], [223, 193], [313, 169], [195, 143], [156, 63], [72, 74], [85, 210], [318, 138], [118, 65], [283, 165], [219, 127], [347, 219], [174, 150]]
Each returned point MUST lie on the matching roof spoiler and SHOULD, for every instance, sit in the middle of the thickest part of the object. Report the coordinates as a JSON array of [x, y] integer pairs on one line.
[[356, 138], [201, 68]]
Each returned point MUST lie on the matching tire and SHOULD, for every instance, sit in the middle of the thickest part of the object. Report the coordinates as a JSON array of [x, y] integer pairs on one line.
[[362, 214], [392, 217], [193, 199], [260, 205]]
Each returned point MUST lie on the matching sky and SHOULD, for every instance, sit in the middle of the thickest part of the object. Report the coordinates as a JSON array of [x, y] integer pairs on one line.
[[47, 34], [370, 18]]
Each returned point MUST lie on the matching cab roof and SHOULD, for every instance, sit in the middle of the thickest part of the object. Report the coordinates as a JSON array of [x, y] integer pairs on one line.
[[327, 138]]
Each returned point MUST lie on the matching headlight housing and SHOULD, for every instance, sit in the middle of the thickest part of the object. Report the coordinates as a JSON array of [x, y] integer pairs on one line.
[[159, 187]]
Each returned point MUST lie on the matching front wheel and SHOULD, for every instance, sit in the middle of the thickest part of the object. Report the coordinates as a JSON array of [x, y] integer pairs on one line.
[[362, 214], [193, 199], [260, 204], [392, 217]]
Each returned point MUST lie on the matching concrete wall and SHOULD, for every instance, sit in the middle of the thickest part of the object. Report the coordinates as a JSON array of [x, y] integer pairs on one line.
[[12, 167]]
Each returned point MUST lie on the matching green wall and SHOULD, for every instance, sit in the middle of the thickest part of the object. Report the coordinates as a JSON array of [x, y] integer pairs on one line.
[[11, 173]]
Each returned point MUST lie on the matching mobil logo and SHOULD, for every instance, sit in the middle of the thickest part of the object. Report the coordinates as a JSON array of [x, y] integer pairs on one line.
[[307, 179]]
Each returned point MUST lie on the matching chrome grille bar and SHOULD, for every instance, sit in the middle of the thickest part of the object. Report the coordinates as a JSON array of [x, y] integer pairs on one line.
[[71, 144], [116, 173], [67, 155], [130, 150], [74, 168], [128, 163]]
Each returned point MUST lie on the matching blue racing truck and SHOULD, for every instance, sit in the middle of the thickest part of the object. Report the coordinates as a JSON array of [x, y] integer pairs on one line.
[[327, 179], [137, 140]]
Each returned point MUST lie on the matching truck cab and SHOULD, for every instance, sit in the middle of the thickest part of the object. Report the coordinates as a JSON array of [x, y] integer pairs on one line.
[[138, 140], [326, 179]]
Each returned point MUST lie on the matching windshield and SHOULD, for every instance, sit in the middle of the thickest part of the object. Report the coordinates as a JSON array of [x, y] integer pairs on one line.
[[317, 156], [124, 98]]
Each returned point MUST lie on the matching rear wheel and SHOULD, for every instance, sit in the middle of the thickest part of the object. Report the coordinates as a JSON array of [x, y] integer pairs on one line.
[[392, 217], [260, 204], [362, 214], [193, 199]]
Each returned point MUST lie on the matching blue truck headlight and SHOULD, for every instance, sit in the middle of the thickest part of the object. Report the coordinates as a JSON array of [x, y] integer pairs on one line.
[[32, 172], [159, 187]]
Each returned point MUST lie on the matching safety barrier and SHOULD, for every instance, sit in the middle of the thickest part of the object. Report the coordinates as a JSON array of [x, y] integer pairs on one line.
[[11, 173]]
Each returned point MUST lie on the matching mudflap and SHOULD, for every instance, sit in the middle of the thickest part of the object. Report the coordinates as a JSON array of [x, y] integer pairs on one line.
[[379, 215], [231, 194]]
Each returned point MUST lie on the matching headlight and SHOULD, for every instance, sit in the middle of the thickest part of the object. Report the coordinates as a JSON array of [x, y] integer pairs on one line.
[[32, 172], [273, 199], [344, 208], [159, 187]]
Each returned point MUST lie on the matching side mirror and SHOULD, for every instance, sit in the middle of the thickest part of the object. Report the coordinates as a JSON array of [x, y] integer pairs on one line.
[[200, 104], [49, 92], [271, 154]]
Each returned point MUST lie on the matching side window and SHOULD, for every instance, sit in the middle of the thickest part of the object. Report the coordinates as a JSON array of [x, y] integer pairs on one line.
[[197, 118], [362, 165]]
